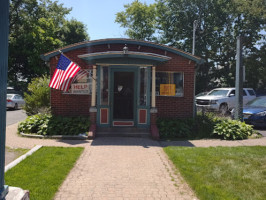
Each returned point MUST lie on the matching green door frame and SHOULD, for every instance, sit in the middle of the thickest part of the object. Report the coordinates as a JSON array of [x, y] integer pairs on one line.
[[123, 68], [120, 68]]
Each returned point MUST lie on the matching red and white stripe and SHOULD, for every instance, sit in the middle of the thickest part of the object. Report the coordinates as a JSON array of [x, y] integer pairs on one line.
[[62, 79]]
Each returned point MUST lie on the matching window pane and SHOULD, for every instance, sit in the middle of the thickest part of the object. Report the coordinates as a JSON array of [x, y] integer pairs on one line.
[[251, 92], [104, 86], [82, 82], [169, 84], [143, 86]]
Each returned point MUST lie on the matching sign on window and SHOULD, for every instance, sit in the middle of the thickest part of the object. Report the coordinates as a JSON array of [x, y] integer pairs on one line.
[[81, 88], [170, 84], [167, 89]]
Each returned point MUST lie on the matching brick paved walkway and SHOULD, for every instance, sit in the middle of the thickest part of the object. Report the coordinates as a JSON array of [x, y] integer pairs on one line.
[[122, 168]]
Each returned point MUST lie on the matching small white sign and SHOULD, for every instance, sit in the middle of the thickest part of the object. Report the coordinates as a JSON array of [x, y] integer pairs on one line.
[[81, 88]]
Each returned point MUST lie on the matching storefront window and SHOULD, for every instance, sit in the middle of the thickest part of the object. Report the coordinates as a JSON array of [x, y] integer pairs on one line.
[[104, 86], [170, 84], [143, 86], [82, 83]]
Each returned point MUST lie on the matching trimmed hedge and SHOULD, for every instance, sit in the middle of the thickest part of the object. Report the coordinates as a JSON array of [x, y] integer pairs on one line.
[[46, 124]]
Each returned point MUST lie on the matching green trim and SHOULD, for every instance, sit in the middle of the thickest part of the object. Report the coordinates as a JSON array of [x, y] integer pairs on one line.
[[133, 69], [47, 56], [99, 57], [147, 107]]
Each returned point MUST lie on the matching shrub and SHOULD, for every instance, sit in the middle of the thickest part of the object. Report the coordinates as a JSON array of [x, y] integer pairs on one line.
[[38, 98], [46, 124], [233, 130], [204, 126], [175, 128]]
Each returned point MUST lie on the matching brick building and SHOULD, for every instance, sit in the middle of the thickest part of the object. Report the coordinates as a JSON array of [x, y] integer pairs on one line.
[[126, 83]]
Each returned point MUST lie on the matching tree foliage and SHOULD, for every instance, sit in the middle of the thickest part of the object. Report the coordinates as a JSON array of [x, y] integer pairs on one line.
[[36, 27], [140, 19], [38, 97], [219, 22]]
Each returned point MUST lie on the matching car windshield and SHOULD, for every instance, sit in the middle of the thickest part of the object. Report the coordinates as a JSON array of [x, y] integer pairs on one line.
[[218, 93], [9, 96], [258, 102]]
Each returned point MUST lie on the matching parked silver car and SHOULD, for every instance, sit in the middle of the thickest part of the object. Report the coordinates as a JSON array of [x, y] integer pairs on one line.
[[14, 101]]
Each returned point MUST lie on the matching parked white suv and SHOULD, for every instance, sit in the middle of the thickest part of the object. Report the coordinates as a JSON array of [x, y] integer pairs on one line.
[[223, 99]]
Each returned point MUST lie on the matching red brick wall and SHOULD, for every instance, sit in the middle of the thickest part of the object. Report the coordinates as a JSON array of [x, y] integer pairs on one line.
[[66, 104], [179, 107], [75, 105]]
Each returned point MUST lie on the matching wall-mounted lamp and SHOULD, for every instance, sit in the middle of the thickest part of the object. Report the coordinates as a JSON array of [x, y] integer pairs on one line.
[[125, 49]]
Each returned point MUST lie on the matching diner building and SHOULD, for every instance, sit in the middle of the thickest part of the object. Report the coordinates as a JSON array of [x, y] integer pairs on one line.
[[126, 83]]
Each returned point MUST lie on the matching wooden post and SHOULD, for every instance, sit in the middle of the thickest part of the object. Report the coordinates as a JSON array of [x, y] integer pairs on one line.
[[153, 102], [93, 93]]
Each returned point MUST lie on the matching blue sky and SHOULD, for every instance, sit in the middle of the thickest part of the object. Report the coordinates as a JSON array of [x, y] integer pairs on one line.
[[99, 16]]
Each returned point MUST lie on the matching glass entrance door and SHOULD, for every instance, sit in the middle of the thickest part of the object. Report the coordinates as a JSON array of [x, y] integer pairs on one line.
[[123, 104], [123, 100]]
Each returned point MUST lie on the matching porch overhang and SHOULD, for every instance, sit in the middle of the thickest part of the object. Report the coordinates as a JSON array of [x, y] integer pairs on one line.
[[119, 57]]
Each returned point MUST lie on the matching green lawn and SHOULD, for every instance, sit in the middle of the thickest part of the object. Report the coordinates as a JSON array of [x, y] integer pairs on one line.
[[43, 172], [222, 172]]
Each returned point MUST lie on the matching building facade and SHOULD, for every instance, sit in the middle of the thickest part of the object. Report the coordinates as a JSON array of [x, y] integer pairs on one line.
[[124, 82]]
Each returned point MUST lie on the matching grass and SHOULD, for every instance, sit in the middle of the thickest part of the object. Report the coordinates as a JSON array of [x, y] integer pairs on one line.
[[222, 172], [44, 171]]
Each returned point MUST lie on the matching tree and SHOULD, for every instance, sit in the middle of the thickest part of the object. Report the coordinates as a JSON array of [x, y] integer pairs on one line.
[[140, 19], [73, 31], [36, 27], [219, 23], [255, 65], [38, 98]]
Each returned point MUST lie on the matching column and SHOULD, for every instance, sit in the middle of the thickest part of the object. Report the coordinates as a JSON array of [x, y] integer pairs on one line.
[[153, 88], [93, 94], [93, 109], [4, 27], [153, 111]]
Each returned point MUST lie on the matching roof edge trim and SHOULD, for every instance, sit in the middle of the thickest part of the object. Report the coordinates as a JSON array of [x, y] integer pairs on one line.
[[47, 56]]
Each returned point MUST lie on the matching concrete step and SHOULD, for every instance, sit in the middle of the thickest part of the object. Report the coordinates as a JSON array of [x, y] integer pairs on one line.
[[122, 132]]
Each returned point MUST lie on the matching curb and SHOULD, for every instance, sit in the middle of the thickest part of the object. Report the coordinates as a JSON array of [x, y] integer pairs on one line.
[[66, 137], [18, 160]]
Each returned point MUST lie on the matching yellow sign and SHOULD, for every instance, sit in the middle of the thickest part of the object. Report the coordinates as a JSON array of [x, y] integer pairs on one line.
[[167, 89]]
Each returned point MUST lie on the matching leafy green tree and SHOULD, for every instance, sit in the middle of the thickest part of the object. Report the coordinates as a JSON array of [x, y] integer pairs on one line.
[[255, 65], [140, 19], [37, 99], [36, 27], [73, 31], [219, 22], [253, 7]]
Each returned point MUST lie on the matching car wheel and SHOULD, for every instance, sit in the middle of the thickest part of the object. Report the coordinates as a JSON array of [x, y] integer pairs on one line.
[[223, 109], [16, 106]]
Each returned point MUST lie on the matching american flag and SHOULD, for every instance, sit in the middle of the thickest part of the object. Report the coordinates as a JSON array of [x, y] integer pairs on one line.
[[64, 73]]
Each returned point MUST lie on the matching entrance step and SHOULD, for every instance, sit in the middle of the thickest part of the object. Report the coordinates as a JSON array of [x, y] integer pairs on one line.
[[122, 132]]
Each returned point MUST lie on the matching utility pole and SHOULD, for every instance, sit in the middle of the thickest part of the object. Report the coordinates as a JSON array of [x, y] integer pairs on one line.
[[4, 27], [239, 81], [195, 25]]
